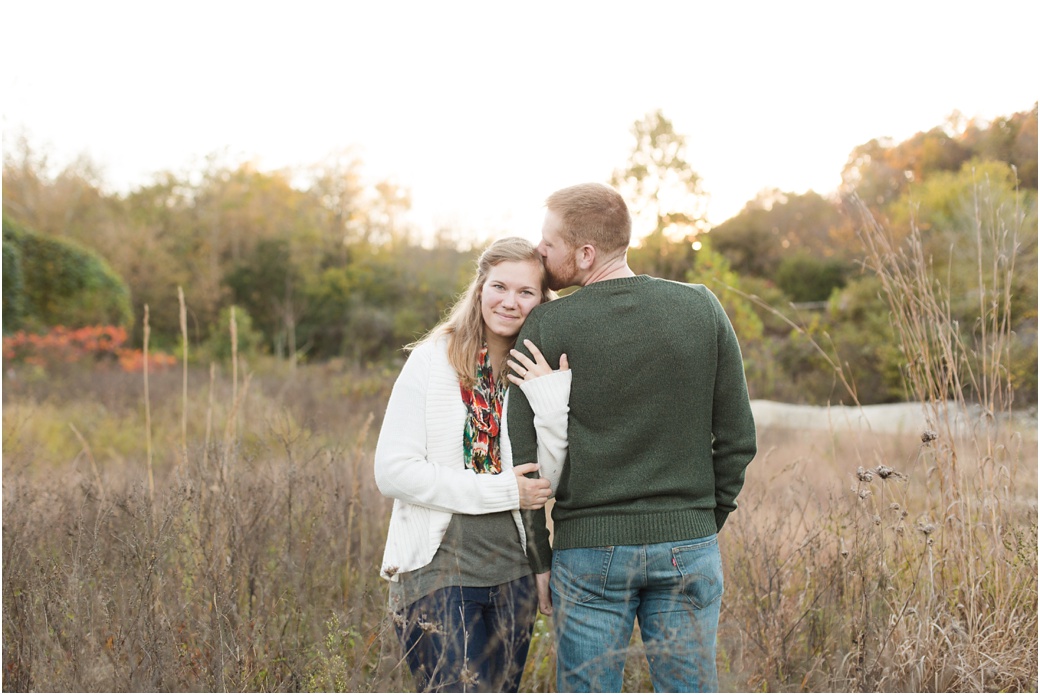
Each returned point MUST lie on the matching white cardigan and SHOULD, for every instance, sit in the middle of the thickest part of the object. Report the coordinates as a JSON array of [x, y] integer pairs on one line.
[[419, 458]]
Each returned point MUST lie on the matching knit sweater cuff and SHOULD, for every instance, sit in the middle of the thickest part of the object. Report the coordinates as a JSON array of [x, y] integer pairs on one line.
[[548, 394]]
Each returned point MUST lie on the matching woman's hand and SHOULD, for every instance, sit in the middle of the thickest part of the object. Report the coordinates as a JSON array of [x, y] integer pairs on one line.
[[527, 368], [534, 492]]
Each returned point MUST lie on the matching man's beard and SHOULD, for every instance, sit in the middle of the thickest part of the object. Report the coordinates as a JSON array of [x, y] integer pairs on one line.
[[563, 276]]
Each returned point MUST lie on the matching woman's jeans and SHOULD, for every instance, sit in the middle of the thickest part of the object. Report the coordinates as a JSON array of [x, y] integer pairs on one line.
[[675, 590], [470, 639]]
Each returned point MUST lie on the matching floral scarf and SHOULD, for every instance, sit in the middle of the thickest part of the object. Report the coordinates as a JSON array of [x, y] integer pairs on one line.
[[480, 445]]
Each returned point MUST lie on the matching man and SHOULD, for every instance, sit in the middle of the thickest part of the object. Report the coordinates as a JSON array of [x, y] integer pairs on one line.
[[660, 433]]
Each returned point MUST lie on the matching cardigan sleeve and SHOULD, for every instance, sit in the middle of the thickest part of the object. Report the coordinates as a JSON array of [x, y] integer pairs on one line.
[[549, 398], [404, 469]]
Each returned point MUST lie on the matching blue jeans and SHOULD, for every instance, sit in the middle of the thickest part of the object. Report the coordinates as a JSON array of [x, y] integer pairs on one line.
[[470, 639], [675, 590]]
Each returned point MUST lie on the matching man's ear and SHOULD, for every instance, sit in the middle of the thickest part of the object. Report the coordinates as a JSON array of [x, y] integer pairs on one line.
[[586, 256]]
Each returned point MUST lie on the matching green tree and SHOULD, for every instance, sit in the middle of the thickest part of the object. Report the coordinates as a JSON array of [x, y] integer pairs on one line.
[[381, 300], [323, 262], [155, 259], [213, 234], [66, 201], [665, 195], [337, 185], [879, 171], [1011, 139], [776, 225], [264, 284]]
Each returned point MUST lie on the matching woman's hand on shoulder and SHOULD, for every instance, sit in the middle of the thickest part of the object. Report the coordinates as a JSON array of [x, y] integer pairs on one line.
[[527, 369]]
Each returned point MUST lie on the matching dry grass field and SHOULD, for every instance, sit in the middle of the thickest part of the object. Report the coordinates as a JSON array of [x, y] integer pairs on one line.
[[857, 561], [220, 530]]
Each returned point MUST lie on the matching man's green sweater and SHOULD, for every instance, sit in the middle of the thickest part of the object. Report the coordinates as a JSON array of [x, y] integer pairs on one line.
[[660, 427]]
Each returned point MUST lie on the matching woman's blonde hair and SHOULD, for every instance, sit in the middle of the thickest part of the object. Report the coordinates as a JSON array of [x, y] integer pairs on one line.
[[464, 325]]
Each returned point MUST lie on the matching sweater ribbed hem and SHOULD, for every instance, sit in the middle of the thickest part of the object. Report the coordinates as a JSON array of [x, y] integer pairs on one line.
[[634, 529]]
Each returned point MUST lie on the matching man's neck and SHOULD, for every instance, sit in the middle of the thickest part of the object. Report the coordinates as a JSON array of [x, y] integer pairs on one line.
[[611, 270]]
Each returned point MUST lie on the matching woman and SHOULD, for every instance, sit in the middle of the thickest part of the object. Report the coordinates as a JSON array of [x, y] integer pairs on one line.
[[461, 590]]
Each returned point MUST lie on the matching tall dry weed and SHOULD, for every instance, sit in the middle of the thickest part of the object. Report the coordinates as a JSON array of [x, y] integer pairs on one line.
[[250, 565], [919, 571]]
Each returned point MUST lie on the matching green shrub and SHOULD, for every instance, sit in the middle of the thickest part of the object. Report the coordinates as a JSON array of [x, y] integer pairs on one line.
[[805, 278], [14, 287], [248, 341], [59, 283]]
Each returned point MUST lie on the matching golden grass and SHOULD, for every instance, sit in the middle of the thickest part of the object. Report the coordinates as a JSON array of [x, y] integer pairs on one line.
[[841, 580], [855, 562], [267, 579]]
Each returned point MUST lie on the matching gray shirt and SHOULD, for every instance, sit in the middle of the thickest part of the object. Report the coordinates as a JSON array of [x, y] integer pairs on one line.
[[477, 550]]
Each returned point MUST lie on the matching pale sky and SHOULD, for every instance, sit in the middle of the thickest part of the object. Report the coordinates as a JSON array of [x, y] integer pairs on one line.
[[482, 109]]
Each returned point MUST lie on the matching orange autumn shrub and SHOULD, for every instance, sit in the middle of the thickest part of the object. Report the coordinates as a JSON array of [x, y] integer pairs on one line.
[[97, 345]]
